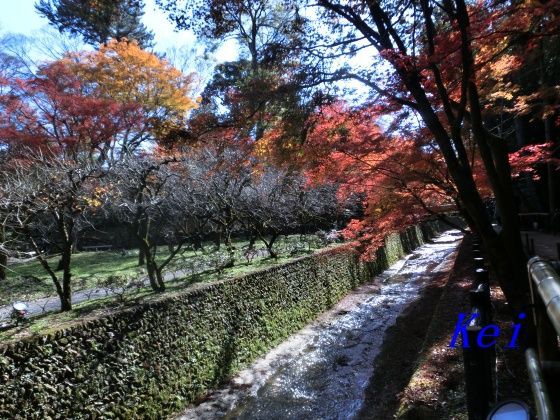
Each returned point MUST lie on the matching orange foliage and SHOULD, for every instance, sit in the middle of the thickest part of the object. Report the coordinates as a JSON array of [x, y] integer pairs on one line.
[[126, 73], [402, 179]]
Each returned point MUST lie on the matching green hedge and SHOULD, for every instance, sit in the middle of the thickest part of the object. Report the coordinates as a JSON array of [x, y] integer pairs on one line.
[[154, 359]]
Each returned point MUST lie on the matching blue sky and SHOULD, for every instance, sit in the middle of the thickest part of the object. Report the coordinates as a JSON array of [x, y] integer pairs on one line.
[[19, 16]]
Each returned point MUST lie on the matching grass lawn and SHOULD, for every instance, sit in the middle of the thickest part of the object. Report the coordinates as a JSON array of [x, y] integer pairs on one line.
[[28, 281], [97, 264]]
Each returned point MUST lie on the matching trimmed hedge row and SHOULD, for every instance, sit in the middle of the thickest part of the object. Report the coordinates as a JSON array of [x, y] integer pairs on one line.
[[154, 359]]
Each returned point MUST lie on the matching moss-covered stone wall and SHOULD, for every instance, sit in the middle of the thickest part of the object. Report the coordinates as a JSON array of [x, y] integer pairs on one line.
[[154, 359]]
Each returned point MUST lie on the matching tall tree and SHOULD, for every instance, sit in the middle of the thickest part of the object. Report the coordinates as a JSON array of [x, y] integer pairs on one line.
[[57, 134], [97, 21], [121, 71], [431, 58], [401, 176], [262, 84]]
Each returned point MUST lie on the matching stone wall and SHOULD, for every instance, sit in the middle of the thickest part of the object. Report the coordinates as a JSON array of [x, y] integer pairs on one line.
[[154, 359]]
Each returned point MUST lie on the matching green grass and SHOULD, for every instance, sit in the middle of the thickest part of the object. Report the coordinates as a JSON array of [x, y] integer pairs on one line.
[[28, 281], [93, 265]]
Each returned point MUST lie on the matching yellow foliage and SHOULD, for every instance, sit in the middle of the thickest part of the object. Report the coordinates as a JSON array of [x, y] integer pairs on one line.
[[263, 148], [123, 71]]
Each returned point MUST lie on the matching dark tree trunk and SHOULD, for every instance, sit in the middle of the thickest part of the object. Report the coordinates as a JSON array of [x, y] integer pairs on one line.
[[197, 242], [218, 239], [66, 302], [270, 247], [141, 257], [159, 279], [65, 264], [154, 274], [252, 240], [3, 255], [3, 265], [66, 298], [549, 136], [520, 131], [75, 242], [141, 233], [228, 238]]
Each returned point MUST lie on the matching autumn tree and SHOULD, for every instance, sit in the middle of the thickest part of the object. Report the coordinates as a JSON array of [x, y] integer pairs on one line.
[[56, 134], [98, 21], [401, 176], [263, 84], [522, 86], [123, 72], [429, 58]]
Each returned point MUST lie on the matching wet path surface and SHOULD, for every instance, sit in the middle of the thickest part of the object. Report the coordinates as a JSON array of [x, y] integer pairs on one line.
[[321, 372]]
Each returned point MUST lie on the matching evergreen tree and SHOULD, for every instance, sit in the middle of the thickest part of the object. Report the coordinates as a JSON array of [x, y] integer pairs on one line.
[[97, 21]]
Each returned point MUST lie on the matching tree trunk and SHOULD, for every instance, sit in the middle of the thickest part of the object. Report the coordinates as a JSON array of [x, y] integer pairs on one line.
[[197, 243], [154, 275], [252, 240], [549, 136], [159, 279], [74, 242], [520, 132], [66, 297], [504, 249], [141, 229], [141, 257], [507, 245], [270, 245], [3, 265], [218, 239], [65, 261], [3, 255], [228, 239]]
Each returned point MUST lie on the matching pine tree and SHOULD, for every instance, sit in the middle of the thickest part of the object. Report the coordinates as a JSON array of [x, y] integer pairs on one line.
[[97, 21]]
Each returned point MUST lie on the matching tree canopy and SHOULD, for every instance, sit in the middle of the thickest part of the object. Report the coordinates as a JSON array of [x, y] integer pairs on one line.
[[446, 72], [97, 21]]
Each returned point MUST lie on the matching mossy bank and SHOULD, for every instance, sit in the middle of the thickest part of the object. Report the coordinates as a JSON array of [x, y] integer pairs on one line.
[[153, 359]]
